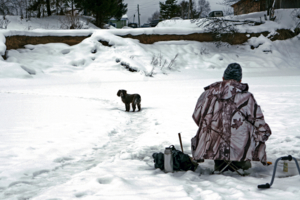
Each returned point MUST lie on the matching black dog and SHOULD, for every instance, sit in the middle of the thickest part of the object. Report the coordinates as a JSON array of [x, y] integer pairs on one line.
[[134, 99]]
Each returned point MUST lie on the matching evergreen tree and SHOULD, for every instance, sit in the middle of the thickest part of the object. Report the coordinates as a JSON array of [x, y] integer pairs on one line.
[[103, 10], [155, 15], [169, 9]]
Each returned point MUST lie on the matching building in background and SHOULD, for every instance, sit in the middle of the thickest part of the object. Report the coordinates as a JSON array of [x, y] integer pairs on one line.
[[249, 6], [119, 23]]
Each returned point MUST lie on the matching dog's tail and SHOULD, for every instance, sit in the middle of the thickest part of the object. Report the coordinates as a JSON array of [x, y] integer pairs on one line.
[[138, 99]]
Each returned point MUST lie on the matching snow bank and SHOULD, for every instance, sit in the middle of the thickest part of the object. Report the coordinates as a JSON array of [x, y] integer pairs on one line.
[[13, 70], [2, 44]]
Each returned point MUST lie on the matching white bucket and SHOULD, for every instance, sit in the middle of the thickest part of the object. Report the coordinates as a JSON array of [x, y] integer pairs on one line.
[[287, 168]]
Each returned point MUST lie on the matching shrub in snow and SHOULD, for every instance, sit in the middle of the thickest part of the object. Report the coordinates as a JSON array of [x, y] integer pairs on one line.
[[159, 61], [4, 23], [218, 27], [295, 14], [172, 62], [71, 22], [204, 51]]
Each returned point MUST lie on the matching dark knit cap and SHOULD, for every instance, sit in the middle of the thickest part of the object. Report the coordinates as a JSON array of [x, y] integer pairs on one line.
[[233, 71]]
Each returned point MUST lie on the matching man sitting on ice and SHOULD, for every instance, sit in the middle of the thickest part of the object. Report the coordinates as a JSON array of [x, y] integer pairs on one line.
[[231, 124]]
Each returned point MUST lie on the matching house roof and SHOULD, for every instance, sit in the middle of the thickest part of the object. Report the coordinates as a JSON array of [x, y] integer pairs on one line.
[[124, 17], [237, 3], [241, 1]]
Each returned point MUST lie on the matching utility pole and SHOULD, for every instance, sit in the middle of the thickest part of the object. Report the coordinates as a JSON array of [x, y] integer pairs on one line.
[[138, 15]]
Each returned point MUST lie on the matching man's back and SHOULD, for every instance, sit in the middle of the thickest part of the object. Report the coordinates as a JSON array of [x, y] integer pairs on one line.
[[231, 124]]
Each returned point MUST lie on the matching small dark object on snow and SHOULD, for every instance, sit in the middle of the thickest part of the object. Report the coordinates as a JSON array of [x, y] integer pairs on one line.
[[181, 161], [159, 160], [127, 66]]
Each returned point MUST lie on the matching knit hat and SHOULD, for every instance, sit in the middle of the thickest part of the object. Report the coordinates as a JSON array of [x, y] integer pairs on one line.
[[233, 71]]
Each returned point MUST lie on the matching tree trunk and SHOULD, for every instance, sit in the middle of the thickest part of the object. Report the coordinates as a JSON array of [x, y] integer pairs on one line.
[[72, 8], [48, 8], [56, 4], [26, 12], [39, 11], [43, 9], [99, 20]]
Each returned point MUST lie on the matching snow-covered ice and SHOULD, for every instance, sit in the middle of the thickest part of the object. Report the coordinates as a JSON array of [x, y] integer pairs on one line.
[[65, 133]]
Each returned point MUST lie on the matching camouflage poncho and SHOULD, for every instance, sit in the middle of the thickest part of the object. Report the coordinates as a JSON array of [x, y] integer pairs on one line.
[[231, 124]]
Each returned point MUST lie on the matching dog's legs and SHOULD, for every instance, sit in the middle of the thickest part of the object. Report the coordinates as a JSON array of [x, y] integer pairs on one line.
[[127, 107], [139, 106], [133, 107]]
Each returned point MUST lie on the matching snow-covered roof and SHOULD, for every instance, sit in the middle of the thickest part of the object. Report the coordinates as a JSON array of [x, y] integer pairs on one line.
[[124, 17]]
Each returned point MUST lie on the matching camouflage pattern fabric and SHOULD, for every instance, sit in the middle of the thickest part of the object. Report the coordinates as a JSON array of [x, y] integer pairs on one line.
[[231, 124]]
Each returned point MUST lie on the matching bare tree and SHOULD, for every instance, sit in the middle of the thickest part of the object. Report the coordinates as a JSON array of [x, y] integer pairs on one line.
[[60, 6], [71, 22], [184, 10], [40, 8], [155, 15], [203, 8], [228, 11], [6, 7], [20, 7]]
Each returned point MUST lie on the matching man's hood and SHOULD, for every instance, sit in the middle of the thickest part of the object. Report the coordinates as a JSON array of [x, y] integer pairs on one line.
[[227, 88]]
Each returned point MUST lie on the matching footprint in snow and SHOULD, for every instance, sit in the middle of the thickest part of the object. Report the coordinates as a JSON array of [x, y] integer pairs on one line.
[[81, 194], [19, 182], [62, 159], [105, 180], [65, 51], [37, 173]]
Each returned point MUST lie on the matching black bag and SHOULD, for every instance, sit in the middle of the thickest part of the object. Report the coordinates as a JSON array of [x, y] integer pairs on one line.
[[181, 161], [158, 160]]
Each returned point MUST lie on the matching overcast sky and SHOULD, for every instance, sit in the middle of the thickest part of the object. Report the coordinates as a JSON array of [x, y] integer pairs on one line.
[[148, 7]]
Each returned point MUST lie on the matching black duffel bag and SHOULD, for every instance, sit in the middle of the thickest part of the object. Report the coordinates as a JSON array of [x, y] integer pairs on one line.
[[181, 161]]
